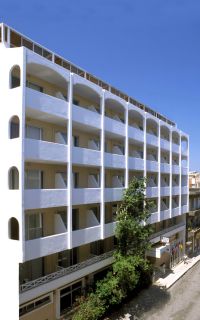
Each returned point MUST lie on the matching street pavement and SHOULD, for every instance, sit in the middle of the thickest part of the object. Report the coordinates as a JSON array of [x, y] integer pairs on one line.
[[179, 302]]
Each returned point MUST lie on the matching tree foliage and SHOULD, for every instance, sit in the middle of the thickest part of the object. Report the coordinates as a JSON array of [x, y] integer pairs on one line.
[[132, 233]]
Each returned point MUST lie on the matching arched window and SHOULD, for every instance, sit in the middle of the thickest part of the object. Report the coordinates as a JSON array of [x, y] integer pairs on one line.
[[15, 77], [14, 127], [13, 229], [13, 178]]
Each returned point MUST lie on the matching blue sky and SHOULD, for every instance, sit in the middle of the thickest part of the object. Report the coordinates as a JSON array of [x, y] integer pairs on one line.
[[149, 49]]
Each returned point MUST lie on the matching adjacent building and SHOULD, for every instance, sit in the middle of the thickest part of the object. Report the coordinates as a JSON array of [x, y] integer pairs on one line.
[[193, 216], [70, 145]]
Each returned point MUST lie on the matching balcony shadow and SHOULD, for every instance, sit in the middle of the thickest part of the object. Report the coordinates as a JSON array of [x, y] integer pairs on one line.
[[137, 306]]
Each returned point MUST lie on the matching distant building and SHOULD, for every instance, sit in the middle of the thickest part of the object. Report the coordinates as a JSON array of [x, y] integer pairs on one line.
[[193, 221], [194, 179]]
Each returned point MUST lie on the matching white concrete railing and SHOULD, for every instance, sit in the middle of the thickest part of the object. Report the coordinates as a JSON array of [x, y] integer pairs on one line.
[[64, 271]]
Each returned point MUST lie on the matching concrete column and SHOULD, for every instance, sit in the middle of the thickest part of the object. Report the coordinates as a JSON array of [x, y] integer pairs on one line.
[[69, 166], [126, 148], [170, 176], [159, 174], [102, 169]]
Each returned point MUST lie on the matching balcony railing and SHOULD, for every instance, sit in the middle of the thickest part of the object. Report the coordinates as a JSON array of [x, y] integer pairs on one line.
[[63, 272], [163, 231]]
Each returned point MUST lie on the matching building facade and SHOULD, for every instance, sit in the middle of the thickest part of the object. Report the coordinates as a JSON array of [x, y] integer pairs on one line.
[[70, 145], [193, 216]]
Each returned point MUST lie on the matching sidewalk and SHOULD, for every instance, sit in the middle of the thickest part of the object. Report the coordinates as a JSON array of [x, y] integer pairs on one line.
[[177, 272]]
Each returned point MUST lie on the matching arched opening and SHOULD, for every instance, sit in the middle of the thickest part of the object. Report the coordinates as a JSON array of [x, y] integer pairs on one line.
[[13, 179], [15, 77], [175, 138], [136, 120], [184, 144], [86, 97], [43, 79], [14, 127], [152, 127], [114, 110], [164, 133], [13, 229]]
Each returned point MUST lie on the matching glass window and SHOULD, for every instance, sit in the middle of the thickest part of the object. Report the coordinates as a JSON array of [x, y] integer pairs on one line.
[[33, 179], [33, 132], [33, 226], [75, 141], [34, 86]]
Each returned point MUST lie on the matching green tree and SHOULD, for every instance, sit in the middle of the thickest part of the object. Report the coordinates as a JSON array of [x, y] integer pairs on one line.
[[130, 265], [133, 231]]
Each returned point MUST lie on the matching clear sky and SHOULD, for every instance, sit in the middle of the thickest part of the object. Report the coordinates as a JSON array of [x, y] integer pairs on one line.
[[149, 49]]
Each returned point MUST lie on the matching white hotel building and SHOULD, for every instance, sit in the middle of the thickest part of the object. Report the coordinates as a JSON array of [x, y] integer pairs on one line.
[[70, 145]]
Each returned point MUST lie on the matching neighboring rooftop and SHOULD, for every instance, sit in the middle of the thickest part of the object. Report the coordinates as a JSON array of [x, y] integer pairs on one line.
[[16, 39]]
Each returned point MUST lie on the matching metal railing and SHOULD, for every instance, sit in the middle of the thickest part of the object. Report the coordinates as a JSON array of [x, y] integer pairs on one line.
[[161, 232], [63, 272], [18, 40]]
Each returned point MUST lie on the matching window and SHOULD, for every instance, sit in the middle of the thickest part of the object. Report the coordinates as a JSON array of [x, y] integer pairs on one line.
[[76, 102], [68, 296], [96, 248], [96, 212], [75, 219], [15, 77], [14, 127], [13, 229], [75, 141], [33, 179], [13, 177], [34, 86], [33, 132], [33, 226], [75, 179], [63, 216], [35, 305]]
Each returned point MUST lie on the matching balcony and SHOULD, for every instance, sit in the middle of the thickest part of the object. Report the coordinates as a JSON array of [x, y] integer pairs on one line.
[[86, 117], [164, 144], [184, 152], [184, 170], [112, 160], [44, 198], [135, 134], [114, 126], [86, 195], [165, 191], [113, 194], [175, 211], [184, 208], [38, 150], [175, 169], [155, 217], [165, 167], [175, 148], [44, 103], [175, 190], [87, 235], [165, 214], [152, 165], [109, 229], [152, 192], [136, 163], [184, 190], [84, 156], [152, 140], [168, 231], [52, 281], [41, 247]]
